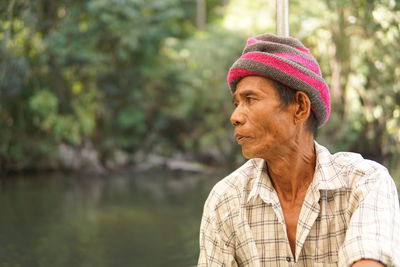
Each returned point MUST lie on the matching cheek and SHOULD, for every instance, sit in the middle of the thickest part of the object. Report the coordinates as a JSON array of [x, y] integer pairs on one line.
[[275, 127], [270, 126]]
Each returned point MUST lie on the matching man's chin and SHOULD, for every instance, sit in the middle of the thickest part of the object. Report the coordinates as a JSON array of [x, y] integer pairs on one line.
[[252, 154], [248, 154]]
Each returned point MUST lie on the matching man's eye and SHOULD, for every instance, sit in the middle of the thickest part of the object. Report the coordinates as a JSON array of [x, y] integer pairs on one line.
[[250, 99]]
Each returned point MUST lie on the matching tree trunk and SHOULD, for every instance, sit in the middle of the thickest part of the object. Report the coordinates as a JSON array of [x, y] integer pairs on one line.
[[200, 14]]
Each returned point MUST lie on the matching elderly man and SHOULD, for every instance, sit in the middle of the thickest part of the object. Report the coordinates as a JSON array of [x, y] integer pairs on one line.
[[293, 203]]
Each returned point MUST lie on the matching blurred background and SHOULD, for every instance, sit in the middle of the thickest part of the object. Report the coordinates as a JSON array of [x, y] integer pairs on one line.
[[114, 116]]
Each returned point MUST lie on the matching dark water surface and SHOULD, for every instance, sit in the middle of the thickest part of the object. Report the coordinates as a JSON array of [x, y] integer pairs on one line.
[[147, 219]]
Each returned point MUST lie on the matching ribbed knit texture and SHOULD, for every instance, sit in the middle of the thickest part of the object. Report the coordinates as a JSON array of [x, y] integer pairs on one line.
[[288, 61]]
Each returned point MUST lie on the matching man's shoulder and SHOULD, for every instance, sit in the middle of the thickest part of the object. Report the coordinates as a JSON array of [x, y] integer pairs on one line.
[[355, 169], [233, 185], [356, 162]]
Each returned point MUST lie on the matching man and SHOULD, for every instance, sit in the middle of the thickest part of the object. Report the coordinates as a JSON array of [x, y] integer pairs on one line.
[[293, 203]]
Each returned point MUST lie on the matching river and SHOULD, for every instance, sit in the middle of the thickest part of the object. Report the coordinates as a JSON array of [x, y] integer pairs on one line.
[[124, 219]]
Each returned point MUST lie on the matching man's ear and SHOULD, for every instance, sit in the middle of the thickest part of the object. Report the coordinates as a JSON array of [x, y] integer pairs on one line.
[[303, 107]]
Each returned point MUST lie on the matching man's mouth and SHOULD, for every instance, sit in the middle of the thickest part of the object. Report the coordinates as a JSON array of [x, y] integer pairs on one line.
[[241, 138]]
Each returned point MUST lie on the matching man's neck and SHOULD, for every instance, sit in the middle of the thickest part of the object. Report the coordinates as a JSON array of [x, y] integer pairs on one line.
[[292, 169]]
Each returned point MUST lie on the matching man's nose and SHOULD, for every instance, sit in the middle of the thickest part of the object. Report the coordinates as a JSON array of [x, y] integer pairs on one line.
[[237, 117]]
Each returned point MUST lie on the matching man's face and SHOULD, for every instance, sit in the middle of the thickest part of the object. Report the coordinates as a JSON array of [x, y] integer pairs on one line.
[[262, 125]]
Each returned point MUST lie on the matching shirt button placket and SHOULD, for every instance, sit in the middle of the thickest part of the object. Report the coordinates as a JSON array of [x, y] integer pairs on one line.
[[290, 261]]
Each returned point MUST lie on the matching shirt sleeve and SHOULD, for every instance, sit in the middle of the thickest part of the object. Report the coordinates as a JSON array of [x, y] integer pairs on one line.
[[374, 227], [216, 247]]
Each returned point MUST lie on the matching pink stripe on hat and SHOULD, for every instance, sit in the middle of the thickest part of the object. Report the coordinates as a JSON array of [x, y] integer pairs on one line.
[[305, 50], [253, 41], [285, 67], [235, 74], [306, 62]]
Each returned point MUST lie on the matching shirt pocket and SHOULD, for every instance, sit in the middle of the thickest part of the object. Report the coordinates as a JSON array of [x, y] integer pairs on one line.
[[327, 246]]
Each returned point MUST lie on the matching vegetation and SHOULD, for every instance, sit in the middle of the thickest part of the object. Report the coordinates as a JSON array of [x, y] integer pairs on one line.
[[139, 77]]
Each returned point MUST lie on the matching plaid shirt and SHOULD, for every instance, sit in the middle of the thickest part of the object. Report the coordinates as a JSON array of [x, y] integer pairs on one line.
[[350, 212]]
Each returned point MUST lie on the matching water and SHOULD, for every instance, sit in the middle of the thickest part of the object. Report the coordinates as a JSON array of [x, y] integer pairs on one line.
[[148, 219]]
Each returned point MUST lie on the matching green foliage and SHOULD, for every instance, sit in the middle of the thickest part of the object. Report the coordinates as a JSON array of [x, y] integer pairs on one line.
[[202, 91], [95, 58], [44, 103], [135, 75]]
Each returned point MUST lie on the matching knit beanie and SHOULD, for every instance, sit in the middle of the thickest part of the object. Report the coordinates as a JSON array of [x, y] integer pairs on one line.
[[285, 60]]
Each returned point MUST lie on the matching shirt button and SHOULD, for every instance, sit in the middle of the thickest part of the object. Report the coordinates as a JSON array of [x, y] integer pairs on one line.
[[288, 259]]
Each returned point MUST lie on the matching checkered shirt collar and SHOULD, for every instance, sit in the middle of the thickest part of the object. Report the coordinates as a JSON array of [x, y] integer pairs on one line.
[[327, 176]]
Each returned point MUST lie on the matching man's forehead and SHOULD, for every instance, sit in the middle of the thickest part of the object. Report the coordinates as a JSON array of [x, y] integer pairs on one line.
[[254, 85]]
